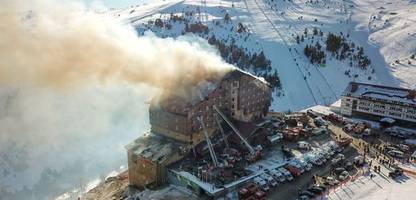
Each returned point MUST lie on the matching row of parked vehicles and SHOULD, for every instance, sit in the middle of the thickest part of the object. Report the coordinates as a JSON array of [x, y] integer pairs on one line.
[[341, 169], [272, 177], [324, 153], [400, 132], [340, 172], [396, 150]]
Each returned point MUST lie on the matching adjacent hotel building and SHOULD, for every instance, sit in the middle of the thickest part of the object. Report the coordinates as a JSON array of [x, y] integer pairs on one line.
[[376, 102]]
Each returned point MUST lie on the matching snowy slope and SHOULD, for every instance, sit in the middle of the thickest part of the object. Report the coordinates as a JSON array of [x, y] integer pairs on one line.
[[272, 28], [391, 26]]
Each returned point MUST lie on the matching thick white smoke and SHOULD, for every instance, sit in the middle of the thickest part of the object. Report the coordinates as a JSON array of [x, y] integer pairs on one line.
[[51, 142], [50, 43], [73, 91]]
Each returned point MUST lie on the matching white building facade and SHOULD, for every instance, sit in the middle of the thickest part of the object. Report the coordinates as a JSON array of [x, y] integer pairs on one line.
[[378, 101]]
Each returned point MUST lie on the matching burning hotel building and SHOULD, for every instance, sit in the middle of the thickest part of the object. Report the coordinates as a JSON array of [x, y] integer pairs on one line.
[[179, 124]]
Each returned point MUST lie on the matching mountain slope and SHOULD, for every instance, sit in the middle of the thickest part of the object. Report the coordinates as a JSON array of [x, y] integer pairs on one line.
[[272, 26]]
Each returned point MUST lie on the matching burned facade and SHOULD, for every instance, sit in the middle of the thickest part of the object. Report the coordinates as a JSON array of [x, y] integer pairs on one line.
[[176, 122], [148, 157], [239, 95]]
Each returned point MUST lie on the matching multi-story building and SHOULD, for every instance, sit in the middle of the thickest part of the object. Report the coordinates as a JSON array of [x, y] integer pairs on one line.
[[238, 95], [148, 157], [175, 128], [377, 101]]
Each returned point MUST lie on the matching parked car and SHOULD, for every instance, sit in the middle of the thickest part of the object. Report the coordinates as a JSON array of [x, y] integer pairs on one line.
[[287, 174], [275, 138], [320, 131], [314, 159], [331, 181], [338, 158], [327, 151], [343, 176], [348, 128], [304, 145], [400, 133], [390, 148], [334, 146], [297, 165], [359, 161], [269, 179], [261, 183], [319, 121], [402, 147], [305, 165], [349, 166], [367, 132], [307, 193], [317, 190], [334, 118], [293, 170], [395, 173], [339, 170], [396, 153], [322, 156], [277, 175]]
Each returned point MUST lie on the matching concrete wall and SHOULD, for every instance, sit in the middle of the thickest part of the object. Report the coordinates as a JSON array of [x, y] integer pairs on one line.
[[142, 171]]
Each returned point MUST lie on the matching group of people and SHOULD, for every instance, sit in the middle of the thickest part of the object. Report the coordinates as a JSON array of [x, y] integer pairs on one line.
[[377, 168]]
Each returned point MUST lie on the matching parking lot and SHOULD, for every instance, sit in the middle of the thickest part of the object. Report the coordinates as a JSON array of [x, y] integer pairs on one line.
[[302, 158], [319, 151], [291, 189], [363, 145]]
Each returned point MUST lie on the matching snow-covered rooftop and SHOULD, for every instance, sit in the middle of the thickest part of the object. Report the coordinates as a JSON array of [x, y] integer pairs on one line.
[[153, 147], [380, 92]]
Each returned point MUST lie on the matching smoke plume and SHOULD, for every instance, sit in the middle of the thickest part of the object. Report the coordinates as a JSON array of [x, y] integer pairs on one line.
[[73, 88], [55, 44]]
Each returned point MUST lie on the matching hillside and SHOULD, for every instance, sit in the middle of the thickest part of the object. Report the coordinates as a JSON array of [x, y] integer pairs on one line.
[[243, 28]]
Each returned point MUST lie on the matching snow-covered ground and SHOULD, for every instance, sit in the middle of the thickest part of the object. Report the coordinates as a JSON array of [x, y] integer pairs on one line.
[[391, 26], [273, 26], [380, 187]]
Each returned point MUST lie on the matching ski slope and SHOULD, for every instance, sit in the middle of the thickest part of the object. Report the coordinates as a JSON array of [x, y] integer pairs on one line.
[[391, 29], [273, 26]]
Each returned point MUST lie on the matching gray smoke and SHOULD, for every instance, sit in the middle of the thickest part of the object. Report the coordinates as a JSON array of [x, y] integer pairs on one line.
[[73, 91], [52, 142]]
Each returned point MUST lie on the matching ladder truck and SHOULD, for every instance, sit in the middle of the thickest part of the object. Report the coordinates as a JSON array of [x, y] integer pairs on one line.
[[254, 153]]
